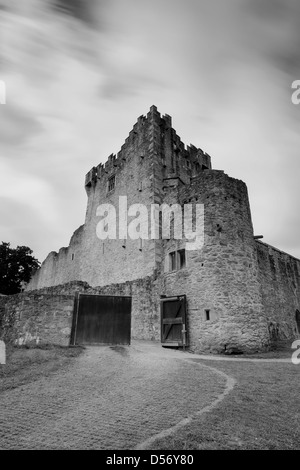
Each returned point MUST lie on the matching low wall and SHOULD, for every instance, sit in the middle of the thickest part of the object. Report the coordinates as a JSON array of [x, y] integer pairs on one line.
[[37, 318], [45, 315]]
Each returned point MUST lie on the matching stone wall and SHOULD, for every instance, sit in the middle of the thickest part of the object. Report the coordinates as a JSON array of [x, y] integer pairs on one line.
[[45, 315], [251, 305], [279, 277], [61, 267], [37, 318], [113, 261]]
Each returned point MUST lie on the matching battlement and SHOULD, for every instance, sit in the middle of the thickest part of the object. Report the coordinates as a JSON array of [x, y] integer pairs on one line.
[[149, 131], [256, 305]]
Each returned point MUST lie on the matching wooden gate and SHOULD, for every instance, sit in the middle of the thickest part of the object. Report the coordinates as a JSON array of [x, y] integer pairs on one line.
[[101, 319], [173, 321]]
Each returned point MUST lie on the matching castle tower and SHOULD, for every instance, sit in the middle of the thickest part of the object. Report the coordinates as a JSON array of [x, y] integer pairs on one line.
[[151, 158], [220, 279]]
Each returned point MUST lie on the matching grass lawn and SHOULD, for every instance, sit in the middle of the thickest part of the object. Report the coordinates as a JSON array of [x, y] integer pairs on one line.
[[280, 350], [24, 365], [261, 412]]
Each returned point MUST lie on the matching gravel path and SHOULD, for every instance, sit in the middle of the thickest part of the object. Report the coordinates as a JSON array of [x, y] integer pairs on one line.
[[108, 398]]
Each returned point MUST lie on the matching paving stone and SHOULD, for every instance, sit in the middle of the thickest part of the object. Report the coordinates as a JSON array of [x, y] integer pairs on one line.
[[107, 399]]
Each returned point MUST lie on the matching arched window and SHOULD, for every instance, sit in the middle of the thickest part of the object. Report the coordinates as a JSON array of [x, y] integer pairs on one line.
[[298, 320]]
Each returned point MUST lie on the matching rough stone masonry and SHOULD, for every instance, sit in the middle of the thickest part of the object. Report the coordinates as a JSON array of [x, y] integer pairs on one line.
[[241, 294]]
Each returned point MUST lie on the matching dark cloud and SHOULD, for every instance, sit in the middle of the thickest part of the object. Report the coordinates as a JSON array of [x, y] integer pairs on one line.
[[83, 10], [76, 8]]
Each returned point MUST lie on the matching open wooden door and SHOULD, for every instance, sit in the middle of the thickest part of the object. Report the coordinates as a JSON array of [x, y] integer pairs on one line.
[[173, 321]]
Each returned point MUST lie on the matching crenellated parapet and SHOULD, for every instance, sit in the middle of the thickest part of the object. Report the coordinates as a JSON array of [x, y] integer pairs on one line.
[[153, 136]]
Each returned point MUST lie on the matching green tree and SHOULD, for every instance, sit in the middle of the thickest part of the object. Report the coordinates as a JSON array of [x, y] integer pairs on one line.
[[17, 265]]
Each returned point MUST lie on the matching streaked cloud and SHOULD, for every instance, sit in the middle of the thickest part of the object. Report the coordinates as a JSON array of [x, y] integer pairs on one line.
[[79, 73]]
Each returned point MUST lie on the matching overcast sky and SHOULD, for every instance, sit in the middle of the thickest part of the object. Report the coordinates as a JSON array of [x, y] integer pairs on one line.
[[78, 73]]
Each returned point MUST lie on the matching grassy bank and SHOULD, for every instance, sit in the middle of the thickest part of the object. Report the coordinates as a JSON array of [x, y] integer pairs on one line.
[[262, 411], [24, 365]]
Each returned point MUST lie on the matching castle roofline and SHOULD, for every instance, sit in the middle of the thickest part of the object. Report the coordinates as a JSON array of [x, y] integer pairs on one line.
[[162, 126]]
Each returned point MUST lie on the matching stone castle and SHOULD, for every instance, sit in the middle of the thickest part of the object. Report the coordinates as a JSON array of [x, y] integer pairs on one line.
[[241, 294]]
